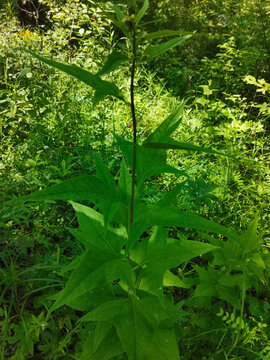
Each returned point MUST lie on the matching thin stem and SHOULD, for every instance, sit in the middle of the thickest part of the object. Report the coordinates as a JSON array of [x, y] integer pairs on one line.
[[238, 336], [134, 125]]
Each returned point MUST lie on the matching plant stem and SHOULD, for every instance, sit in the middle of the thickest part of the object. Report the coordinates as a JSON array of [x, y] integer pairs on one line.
[[134, 125], [238, 336]]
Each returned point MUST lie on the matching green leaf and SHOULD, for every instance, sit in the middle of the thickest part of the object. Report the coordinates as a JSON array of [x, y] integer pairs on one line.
[[164, 254], [114, 60], [210, 287], [124, 185], [119, 13], [170, 279], [136, 321], [92, 298], [176, 145], [109, 347], [168, 126], [170, 197], [164, 346], [104, 175], [250, 80], [206, 90], [231, 280], [160, 139], [142, 11], [164, 33], [92, 227], [157, 50], [150, 278], [103, 88], [172, 216], [250, 241], [119, 20], [124, 195], [149, 161], [257, 266], [95, 269], [79, 188]]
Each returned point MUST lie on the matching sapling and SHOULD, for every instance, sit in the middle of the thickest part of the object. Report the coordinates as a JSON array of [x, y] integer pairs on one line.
[[119, 278]]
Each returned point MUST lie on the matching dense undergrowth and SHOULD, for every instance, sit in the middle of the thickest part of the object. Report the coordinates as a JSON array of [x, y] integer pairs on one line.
[[50, 131]]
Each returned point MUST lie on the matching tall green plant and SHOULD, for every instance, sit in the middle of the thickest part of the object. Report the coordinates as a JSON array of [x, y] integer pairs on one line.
[[120, 277]]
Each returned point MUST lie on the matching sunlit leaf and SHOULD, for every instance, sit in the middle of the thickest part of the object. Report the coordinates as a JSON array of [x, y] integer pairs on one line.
[[170, 279], [168, 126], [170, 143], [102, 88], [166, 33], [87, 187], [149, 162], [154, 51], [114, 60]]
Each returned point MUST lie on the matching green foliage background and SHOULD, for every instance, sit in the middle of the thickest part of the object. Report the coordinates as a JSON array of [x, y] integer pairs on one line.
[[50, 132]]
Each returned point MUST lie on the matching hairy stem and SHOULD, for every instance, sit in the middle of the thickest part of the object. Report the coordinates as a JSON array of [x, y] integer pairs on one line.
[[134, 125]]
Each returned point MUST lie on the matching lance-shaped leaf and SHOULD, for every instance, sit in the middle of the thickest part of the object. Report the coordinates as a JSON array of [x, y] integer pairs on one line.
[[166, 33], [160, 139], [114, 60], [124, 195], [168, 126], [152, 161], [92, 227], [154, 51], [92, 298], [172, 216], [142, 11], [102, 88], [169, 143], [104, 175], [87, 187], [250, 241], [96, 268], [169, 279], [118, 21], [137, 323]]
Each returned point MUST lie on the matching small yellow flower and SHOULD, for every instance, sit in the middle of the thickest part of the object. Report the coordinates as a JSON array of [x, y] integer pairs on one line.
[[27, 34]]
